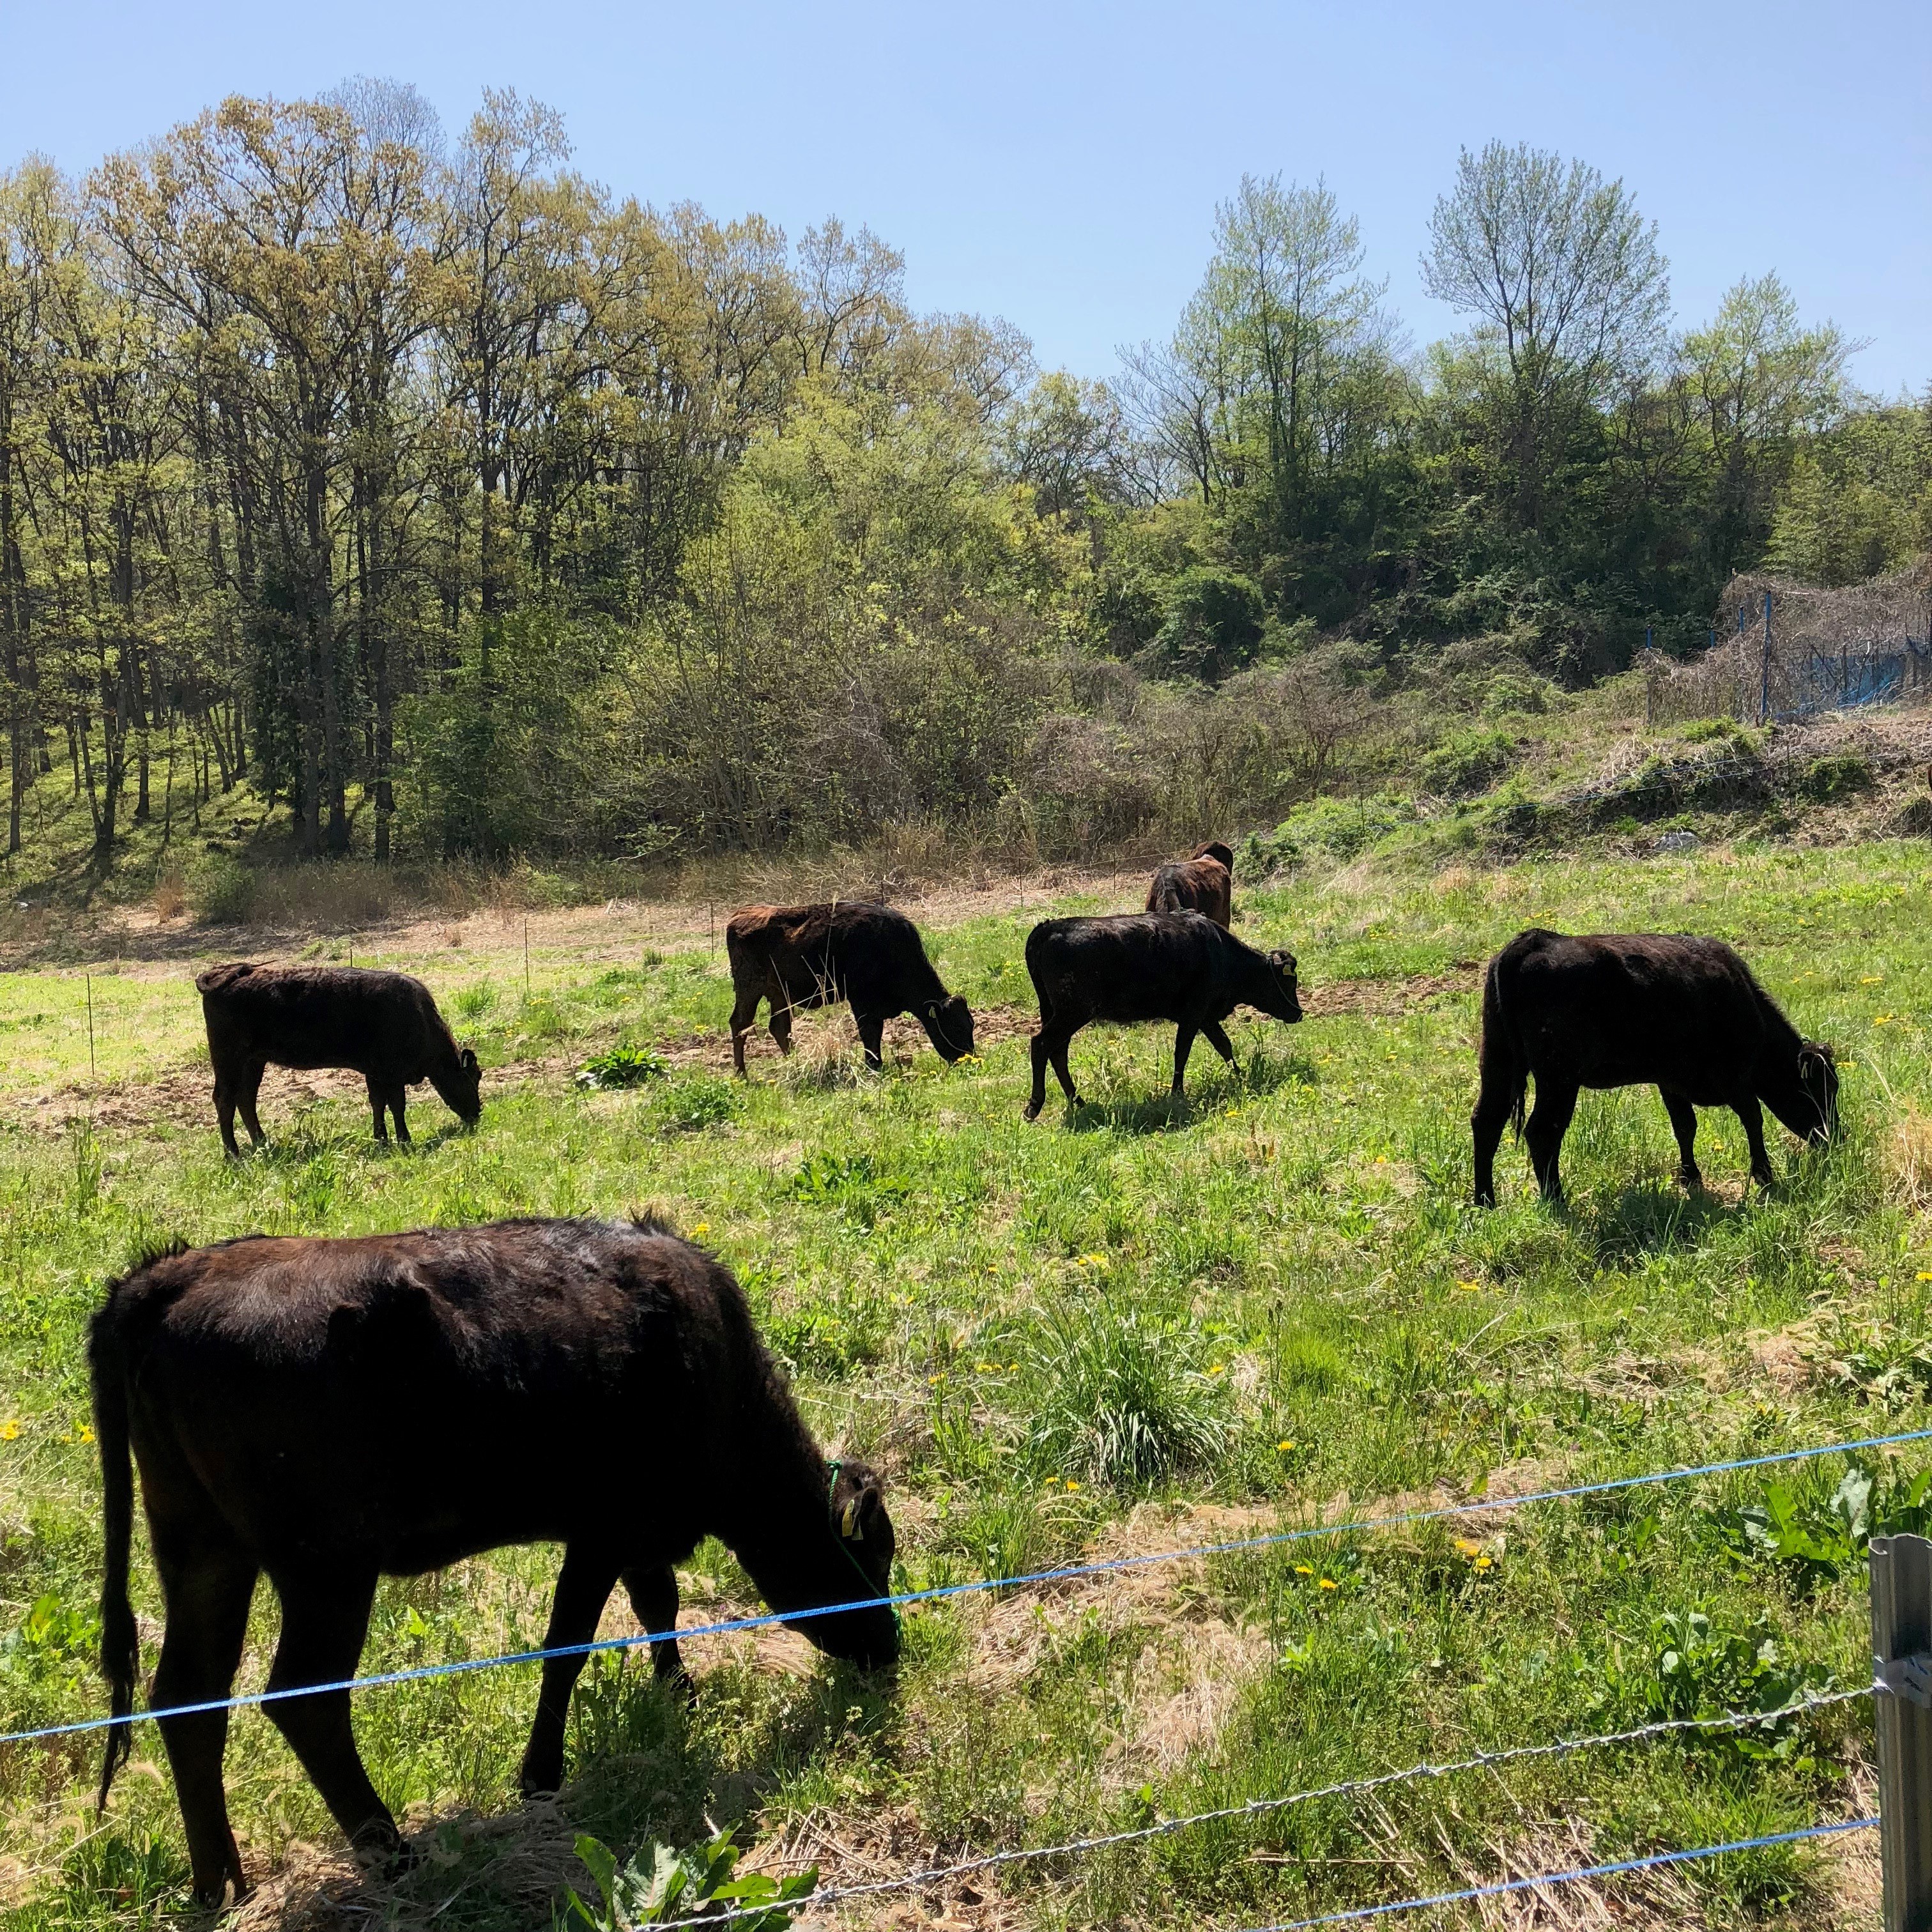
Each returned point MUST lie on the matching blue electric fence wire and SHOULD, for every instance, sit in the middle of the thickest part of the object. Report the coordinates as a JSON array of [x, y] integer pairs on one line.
[[1621, 1865], [422, 1672]]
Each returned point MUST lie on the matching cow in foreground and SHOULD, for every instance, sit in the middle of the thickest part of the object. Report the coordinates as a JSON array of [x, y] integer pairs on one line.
[[1627, 1009], [800, 957], [1204, 884], [330, 1412], [1147, 966], [383, 1025]]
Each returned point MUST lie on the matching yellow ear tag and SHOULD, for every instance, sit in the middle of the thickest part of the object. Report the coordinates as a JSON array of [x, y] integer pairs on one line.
[[848, 1523]]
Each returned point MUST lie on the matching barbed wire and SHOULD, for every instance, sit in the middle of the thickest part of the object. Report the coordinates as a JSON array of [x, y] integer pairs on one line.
[[1611, 1871], [1259, 1807], [1237, 1545]]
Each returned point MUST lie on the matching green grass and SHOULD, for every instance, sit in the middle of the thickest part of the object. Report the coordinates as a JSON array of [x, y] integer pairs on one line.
[[1122, 1329]]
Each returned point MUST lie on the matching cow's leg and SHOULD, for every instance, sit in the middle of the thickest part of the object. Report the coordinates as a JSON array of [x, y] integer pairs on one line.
[[1048, 1047], [583, 1587], [1548, 1122], [399, 1096], [1183, 1045], [744, 1016], [227, 1092], [1212, 1032], [251, 1087], [1062, 1039], [207, 1585], [325, 1619], [779, 1025], [1748, 1111], [1487, 1123], [379, 1102], [871, 1036], [652, 1589], [1684, 1125]]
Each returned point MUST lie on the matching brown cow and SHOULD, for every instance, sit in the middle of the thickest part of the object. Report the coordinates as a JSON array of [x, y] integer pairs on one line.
[[799, 957], [1628, 1009], [333, 1411], [1204, 884], [383, 1025]]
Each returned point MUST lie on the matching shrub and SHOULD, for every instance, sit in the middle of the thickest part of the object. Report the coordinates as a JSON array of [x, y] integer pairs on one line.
[[1825, 779], [1467, 760], [1340, 828], [1118, 1398], [221, 889]]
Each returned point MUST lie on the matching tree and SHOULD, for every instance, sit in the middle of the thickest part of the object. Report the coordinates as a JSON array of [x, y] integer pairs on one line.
[[1569, 290]]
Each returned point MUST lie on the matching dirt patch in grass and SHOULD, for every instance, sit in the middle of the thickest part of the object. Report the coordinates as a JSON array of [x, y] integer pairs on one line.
[[1388, 998]]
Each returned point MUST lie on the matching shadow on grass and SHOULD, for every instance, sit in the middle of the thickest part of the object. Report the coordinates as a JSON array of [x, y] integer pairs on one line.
[[1208, 1094], [1649, 1217], [647, 1770]]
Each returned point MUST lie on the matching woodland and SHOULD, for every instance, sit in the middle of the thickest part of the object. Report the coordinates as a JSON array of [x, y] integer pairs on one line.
[[460, 508]]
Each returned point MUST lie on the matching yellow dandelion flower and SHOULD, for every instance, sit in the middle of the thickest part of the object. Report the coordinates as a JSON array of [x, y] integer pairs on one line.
[[1925, 1274], [1468, 1548], [932, 1381], [1219, 1369], [1071, 1484], [86, 1434], [703, 1228], [9, 1430], [1285, 1445], [1302, 1569], [1328, 1583], [1485, 1563], [1882, 1019], [986, 1368], [1469, 1287], [1873, 980]]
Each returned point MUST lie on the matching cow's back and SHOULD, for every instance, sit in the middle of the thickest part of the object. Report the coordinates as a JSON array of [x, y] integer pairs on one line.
[[424, 1395], [380, 1022], [1127, 966], [1619, 1008]]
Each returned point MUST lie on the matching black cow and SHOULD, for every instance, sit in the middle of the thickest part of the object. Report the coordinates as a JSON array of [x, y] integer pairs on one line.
[[1147, 966], [1204, 884], [383, 1025], [799, 957], [1626, 1010], [330, 1412]]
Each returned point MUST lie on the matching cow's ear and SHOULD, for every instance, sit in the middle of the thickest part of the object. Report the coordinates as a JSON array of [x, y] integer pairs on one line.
[[469, 1059]]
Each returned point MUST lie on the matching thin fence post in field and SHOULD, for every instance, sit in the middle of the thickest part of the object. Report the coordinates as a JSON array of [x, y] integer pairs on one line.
[[1764, 701], [89, 979], [526, 958], [1901, 1618], [710, 929]]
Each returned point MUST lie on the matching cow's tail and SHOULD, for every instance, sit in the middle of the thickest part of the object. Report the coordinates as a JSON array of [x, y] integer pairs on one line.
[[120, 1640], [1505, 1075]]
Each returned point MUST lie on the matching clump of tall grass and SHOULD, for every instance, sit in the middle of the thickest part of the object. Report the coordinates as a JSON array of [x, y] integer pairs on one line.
[[1113, 1395], [1908, 1158]]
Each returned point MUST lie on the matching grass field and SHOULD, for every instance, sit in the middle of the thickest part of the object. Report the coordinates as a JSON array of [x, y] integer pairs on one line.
[[1123, 1331]]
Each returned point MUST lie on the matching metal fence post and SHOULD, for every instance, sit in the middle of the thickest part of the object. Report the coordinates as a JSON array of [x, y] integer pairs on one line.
[[1901, 1615], [1764, 701]]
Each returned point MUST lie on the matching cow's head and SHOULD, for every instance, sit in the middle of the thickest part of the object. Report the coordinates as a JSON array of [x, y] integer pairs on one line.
[[463, 1089], [858, 1568], [1286, 1004], [948, 1025], [1215, 850], [1818, 1081]]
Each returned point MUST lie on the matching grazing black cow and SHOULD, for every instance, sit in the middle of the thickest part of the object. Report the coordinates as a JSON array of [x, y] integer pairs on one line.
[[1204, 884], [798, 957], [1626, 1010], [330, 1412], [383, 1025], [1147, 966]]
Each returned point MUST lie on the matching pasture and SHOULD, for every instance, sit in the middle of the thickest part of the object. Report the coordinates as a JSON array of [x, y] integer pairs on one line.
[[1129, 1330]]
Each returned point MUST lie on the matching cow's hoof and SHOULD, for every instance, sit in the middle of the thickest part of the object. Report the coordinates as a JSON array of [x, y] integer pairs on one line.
[[1030, 1113]]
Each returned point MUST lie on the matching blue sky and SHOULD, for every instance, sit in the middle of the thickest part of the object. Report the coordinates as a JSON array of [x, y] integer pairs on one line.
[[1058, 164]]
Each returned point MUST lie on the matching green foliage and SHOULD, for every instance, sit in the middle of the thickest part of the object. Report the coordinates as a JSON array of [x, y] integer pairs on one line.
[[1467, 760], [1840, 776], [1688, 1666], [1819, 1541], [1212, 625], [661, 1885], [1115, 1396], [621, 1066], [1335, 828], [221, 889]]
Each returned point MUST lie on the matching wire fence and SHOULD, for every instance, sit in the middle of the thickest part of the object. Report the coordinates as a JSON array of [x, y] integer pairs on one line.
[[1236, 1545]]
